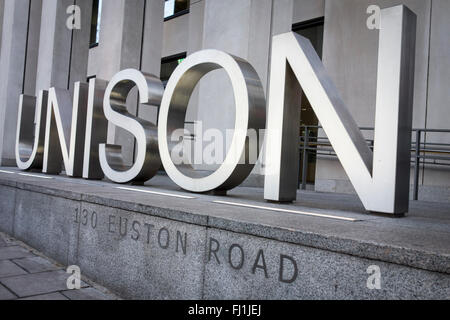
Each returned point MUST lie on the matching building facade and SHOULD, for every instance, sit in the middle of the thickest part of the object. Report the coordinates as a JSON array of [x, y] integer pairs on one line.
[[54, 43]]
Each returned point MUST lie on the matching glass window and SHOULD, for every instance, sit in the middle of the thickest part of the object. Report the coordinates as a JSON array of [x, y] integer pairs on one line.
[[95, 23], [168, 66], [312, 30], [174, 8]]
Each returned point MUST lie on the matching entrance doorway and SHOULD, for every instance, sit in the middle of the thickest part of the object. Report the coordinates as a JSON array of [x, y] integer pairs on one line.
[[312, 30]]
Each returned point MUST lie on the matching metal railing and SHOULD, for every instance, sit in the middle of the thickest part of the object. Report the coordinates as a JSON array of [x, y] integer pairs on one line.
[[422, 152]]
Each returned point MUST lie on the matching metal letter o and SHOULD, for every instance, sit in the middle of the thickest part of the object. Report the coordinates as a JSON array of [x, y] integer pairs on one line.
[[250, 114]]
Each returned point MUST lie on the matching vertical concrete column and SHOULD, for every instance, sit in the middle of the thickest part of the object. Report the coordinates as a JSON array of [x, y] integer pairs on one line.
[[195, 43], [32, 52], [152, 48], [119, 48], [241, 28], [438, 116], [130, 37], [282, 16], [63, 52], [12, 64], [80, 44], [2, 6]]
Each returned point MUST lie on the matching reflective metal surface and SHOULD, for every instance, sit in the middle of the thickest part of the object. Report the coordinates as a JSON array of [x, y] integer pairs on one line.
[[147, 161], [250, 114], [96, 129], [381, 179], [64, 133], [30, 135]]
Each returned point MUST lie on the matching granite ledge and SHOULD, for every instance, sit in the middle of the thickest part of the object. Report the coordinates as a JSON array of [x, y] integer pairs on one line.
[[425, 260]]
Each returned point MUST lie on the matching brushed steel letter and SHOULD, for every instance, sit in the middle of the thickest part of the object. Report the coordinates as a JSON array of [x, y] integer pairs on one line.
[[147, 161], [30, 135], [96, 130], [62, 128], [381, 178], [250, 114]]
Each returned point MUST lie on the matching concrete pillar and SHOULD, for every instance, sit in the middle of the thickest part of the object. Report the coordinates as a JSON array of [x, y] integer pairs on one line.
[[34, 32], [241, 28], [282, 16], [2, 6], [12, 64], [438, 116], [63, 52], [152, 49], [195, 43], [130, 37], [305, 10], [80, 44]]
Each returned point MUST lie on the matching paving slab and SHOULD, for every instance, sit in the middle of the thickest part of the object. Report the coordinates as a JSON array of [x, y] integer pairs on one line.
[[14, 252], [87, 294], [36, 264], [37, 284], [5, 294], [9, 269], [47, 297], [7, 241]]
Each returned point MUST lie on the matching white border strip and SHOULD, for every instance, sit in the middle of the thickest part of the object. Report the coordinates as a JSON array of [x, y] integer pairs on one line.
[[34, 176], [8, 172], [156, 193], [288, 211]]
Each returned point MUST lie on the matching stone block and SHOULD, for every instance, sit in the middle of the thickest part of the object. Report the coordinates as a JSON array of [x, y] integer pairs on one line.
[[252, 268], [9, 269], [87, 294], [14, 252], [47, 297], [36, 264], [44, 222], [5, 294], [7, 204], [140, 256]]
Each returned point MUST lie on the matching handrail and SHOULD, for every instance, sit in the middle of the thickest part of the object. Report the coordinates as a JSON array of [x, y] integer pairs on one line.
[[420, 151]]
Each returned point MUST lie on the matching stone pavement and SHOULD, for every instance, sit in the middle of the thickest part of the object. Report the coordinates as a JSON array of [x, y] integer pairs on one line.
[[25, 274]]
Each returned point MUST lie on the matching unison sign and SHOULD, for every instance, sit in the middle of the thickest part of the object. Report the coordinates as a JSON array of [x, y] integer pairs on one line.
[[380, 177]]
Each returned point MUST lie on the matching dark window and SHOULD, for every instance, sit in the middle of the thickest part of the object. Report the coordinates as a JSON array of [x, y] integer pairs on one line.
[[95, 22], [168, 66], [312, 30], [175, 8]]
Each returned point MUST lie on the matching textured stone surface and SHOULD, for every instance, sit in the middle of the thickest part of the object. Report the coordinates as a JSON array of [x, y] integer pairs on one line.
[[37, 284], [30, 277], [7, 203], [47, 297], [44, 222], [321, 274], [36, 264], [130, 254], [5, 294], [8, 269], [14, 252], [119, 239], [7, 241], [87, 294]]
